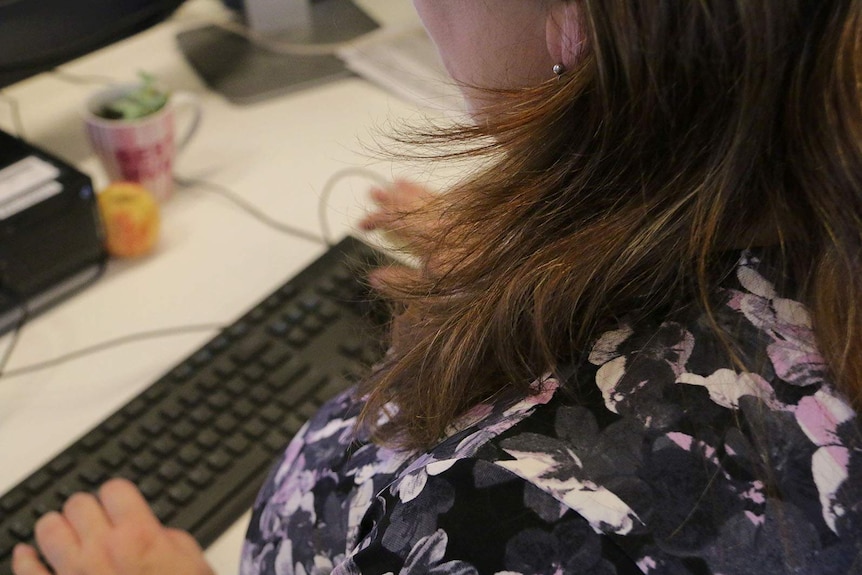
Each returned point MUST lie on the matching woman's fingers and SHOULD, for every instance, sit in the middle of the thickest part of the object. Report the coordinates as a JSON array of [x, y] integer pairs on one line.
[[25, 561], [59, 543], [184, 542], [86, 516], [123, 503], [393, 204]]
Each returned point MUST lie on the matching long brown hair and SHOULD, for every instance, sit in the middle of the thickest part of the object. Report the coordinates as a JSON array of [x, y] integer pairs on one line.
[[689, 127]]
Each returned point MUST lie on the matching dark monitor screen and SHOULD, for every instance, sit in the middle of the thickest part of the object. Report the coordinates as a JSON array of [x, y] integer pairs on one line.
[[37, 35]]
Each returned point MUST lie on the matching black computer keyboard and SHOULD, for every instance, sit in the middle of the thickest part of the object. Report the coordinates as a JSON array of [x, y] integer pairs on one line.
[[199, 441]]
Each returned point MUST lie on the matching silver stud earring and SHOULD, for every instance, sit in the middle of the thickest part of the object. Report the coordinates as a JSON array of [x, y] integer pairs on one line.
[[559, 70]]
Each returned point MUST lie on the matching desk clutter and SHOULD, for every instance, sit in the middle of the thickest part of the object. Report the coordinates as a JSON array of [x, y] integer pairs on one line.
[[200, 440]]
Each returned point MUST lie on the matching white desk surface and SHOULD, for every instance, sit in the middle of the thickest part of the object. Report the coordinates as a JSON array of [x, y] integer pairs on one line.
[[214, 261]]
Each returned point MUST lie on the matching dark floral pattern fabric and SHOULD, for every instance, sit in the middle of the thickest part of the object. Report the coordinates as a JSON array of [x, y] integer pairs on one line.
[[657, 455]]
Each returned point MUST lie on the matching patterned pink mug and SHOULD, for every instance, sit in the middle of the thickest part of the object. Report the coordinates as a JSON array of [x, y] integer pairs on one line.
[[141, 150]]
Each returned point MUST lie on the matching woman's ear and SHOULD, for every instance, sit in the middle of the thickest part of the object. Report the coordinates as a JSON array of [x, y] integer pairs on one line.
[[564, 33]]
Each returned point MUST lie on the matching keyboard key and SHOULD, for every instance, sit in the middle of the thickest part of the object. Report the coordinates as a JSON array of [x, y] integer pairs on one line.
[[181, 494], [151, 488], [190, 396], [13, 500], [218, 460], [21, 529], [236, 444], [201, 358], [243, 408], [209, 381], [7, 543], [237, 330], [272, 414], [93, 473], [69, 487], [287, 374], [39, 481], [219, 401], [43, 506], [164, 446], [257, 315], [260, 395], [293, 315], [254, 428], [225, 367], [189, 454], [93, 440], [218, 344], [294, 394], [61, 464], [136, 407], [145, 461], [201, 414], [113, 457], [287, 291], [200, 477], [327, 311], [153, 425], [225, 423], [278, 328], [208, 439], [132, 441], [297, 338], [250, 348], [276, 440], [275, 356], [182, 372], [253, 373], [155, 392], [312, 325], [183, 430], [171, 471], [310, 303], [114, 423], [237, 386], [171, 411]]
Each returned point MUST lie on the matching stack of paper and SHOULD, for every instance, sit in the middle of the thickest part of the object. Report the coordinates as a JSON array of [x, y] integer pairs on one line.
[[405, 61]]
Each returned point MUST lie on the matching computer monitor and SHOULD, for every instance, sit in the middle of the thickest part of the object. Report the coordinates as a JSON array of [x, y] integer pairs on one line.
[[38, 35]]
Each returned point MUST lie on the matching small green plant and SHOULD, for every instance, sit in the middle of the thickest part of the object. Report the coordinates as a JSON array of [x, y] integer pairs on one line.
[[146, 99]]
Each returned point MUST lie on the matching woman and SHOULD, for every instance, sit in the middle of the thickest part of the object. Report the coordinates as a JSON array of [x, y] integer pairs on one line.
[[607, 363]]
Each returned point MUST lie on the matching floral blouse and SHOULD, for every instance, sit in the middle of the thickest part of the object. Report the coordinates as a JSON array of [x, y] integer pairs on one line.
[[657, 455]]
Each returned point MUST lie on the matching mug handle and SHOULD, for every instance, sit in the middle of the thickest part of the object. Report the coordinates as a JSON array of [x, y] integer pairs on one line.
[[190, 102]]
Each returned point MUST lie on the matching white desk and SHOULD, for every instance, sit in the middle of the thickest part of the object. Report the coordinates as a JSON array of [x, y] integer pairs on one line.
[[213, 262]]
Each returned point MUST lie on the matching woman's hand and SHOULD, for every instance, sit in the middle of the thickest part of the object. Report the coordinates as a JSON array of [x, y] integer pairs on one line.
[[400, 212], [116, 534]]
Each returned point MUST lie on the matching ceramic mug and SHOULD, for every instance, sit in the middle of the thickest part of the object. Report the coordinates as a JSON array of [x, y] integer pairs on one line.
[[142, 150]]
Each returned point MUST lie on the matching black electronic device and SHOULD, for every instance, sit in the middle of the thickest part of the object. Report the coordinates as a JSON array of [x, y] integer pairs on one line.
[[51, 240], [200, 440], [37, 35]]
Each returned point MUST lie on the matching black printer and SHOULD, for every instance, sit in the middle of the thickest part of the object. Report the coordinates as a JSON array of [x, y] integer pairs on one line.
[[51, 238]]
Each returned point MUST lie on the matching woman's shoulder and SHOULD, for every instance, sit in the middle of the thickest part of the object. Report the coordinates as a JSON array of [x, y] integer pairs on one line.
[[663, 443]]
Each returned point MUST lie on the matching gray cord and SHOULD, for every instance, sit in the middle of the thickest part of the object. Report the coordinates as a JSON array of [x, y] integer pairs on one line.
[[326, 192]]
